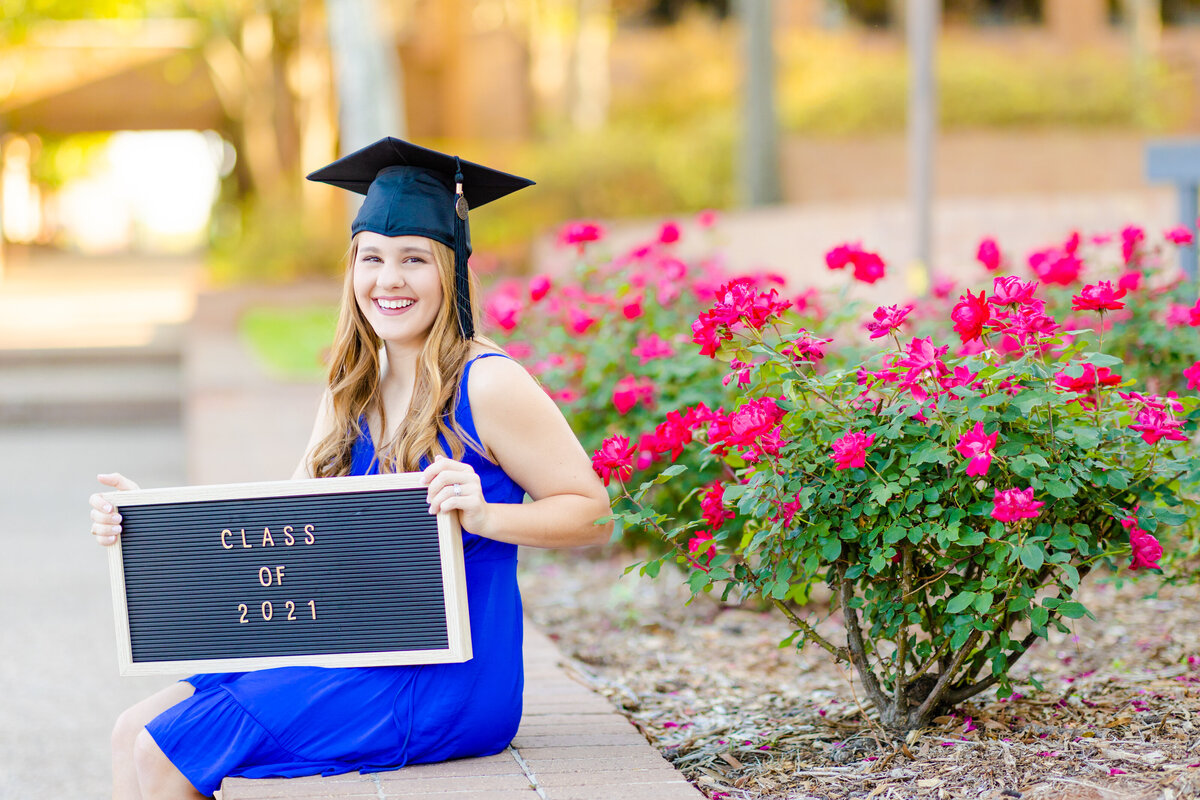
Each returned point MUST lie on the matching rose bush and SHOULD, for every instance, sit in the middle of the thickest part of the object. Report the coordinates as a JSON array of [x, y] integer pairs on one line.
[[1122, 292], [611, 342], [953, 502]]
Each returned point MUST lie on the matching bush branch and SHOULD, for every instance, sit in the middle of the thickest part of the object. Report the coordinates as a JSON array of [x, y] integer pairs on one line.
[[839, 653], [956, 696], [854, 641], [939, 688]]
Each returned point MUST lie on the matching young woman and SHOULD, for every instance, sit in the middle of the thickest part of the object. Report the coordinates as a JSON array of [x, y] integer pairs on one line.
[[411, 387]]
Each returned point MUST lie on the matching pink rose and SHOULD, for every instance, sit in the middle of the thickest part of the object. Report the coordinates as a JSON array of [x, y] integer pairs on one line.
[[851, 449], [1180, 235], [632, 390], [579, 320], [504, 308], [887, 320], [1192, 374], [632, 309], [1014, 504], [651, 347], [969, 316], [1098, 297], [712, 507], [989, 255], [1157, 423], [579, 234], [977, 446], [1131, 239], [539, 286], [615, 457], [1145, 549], [1011, 290], [668, 233]]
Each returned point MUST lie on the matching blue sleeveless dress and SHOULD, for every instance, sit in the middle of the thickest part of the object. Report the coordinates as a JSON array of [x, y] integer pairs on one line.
[[294, 721]]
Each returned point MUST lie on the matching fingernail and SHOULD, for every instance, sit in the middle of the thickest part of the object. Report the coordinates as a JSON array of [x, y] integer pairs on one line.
[[108, 507]]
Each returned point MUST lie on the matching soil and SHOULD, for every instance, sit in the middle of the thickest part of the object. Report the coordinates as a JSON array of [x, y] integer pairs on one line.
[[1117, 714]]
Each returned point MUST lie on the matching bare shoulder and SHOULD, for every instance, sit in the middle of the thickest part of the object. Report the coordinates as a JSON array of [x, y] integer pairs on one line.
[[495, 379], [510, 407]]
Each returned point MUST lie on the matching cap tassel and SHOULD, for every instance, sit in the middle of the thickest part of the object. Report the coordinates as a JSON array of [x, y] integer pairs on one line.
[[462, 279]]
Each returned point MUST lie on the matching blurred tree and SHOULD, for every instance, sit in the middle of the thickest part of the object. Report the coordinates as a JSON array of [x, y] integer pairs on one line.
[[759, 166], [367, 69], [871, 12], [1181, 12], [268, 64], [992, 12], [668, 12]]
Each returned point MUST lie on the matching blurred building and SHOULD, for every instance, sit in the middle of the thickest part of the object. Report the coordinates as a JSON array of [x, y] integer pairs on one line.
[[500, 71]]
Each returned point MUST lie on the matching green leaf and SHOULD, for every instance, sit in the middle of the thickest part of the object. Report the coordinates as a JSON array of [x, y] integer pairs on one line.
[[831, 548], [960, 602], [1032, 557], [1170, 517], [971, 538], [1059, 489], [960, 637], [1102, 360], [1038, 616], [983, 603], [1072, 610]]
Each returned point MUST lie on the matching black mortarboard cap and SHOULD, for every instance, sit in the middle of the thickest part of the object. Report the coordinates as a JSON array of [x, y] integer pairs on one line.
[[414, 191]]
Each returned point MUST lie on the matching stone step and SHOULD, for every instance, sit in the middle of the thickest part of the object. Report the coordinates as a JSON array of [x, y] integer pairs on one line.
[[92, 386]]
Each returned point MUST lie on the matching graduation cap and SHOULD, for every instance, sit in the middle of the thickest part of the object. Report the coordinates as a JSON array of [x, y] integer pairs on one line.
[[414, 191]]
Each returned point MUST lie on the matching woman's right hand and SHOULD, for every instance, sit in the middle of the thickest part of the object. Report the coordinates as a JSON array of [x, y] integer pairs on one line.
[[106, 520]]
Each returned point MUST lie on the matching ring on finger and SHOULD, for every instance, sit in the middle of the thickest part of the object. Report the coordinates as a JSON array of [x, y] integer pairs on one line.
[[457, 490]]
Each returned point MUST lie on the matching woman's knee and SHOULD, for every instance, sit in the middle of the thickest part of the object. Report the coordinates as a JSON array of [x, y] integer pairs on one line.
[[157, 776], [126, 729]]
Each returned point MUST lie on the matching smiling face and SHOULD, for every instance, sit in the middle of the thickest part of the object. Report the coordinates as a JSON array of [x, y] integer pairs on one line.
[[397, 286]]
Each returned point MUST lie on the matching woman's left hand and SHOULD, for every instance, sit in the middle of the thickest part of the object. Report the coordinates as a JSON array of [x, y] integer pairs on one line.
[[454, 486]]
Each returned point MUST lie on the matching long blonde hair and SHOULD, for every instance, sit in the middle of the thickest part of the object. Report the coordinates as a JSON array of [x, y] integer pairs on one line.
[[354, 373]]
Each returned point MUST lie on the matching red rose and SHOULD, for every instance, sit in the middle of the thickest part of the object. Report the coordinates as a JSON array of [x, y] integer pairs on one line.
[[970, 315]]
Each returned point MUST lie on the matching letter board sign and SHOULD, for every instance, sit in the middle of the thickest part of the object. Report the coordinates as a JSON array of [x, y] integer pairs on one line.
[[350, 571]]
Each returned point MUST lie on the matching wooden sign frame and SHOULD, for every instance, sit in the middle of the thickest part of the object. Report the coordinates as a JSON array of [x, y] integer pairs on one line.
[[221, 530]]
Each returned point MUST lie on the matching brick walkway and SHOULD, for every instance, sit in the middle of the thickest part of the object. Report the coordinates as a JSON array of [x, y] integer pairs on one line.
[[572, 745]]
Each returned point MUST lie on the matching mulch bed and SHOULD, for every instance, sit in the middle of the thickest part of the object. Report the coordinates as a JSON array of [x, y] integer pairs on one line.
[[707, 683]]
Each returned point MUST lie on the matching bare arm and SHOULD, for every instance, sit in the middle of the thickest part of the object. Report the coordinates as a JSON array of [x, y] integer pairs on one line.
[[529, 437]]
